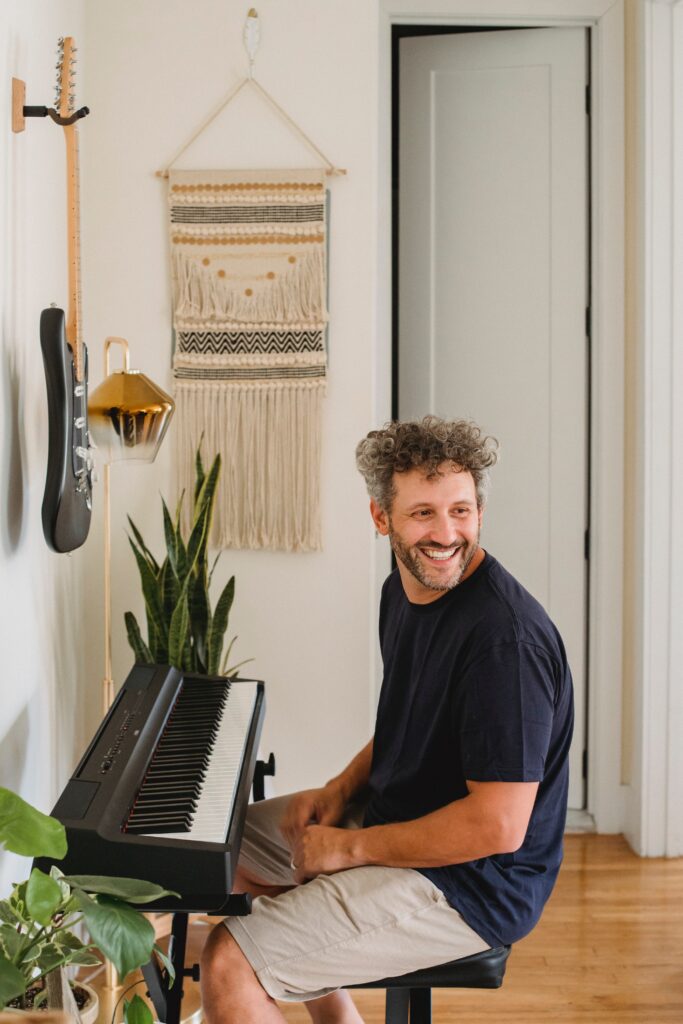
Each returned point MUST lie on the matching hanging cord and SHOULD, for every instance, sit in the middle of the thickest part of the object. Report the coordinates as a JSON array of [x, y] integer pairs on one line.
[[251, 81]]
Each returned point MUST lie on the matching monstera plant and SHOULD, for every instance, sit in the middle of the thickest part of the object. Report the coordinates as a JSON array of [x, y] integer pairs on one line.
[[182, 628], [37, 920]]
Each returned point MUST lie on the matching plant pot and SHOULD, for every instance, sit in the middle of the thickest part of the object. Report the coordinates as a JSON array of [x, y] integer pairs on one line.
[[88, 1013], [92, 1007]]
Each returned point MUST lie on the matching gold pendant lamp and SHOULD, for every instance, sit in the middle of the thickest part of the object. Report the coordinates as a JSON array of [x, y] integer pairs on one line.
[[128, 417], [128, 413]]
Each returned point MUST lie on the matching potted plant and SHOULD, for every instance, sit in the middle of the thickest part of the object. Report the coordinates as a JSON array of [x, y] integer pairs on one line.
[[37, 920], [182, 629]]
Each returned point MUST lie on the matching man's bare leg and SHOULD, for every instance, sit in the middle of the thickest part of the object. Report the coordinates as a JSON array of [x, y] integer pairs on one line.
[[335, 1008], [231, 992]]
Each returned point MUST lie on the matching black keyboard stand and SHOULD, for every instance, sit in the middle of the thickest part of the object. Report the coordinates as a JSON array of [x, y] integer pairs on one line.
[[167, 997]]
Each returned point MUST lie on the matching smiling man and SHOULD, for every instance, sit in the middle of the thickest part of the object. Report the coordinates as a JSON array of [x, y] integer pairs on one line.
[[443, 836]]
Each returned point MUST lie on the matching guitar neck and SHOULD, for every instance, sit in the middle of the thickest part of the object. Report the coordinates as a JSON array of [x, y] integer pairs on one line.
[[74, 319], [73, 326]]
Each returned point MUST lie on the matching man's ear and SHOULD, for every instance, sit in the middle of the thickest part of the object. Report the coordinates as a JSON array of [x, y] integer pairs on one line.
[[379, 518]]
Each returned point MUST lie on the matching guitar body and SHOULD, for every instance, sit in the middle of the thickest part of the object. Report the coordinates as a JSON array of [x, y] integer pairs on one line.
[[67, 501]]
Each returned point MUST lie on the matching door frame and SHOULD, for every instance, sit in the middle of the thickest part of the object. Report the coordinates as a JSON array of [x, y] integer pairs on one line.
[[605, 19]]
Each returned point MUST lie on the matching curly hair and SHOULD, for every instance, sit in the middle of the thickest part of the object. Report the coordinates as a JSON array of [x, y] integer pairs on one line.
[[424, 444]]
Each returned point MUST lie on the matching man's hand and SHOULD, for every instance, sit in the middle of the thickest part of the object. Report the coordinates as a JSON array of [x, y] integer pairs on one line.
[[321, 850], [324, 806]]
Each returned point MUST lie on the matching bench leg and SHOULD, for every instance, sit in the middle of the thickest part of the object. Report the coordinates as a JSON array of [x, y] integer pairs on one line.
[[420, 1006], [397, 1006]]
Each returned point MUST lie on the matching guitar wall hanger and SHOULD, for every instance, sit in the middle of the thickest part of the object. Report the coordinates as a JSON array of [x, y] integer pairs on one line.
[[20, 111]]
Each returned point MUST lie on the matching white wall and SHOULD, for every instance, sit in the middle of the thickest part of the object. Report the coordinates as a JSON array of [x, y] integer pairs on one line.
[[44, 700], [155, 71]]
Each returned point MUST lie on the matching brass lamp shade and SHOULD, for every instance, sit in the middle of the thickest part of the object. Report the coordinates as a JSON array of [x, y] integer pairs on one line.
[[128, 414]]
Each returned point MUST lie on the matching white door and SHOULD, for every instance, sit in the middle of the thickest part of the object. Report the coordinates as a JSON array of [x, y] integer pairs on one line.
[[493, 289]]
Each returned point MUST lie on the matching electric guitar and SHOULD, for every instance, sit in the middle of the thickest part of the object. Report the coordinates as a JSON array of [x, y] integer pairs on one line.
[[67, 501]]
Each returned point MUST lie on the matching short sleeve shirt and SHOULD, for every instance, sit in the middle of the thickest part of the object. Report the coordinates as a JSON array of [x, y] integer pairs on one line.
[[476, 686]]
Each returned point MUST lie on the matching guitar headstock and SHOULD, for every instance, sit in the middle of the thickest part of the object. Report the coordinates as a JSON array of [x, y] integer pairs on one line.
[[65, 98]]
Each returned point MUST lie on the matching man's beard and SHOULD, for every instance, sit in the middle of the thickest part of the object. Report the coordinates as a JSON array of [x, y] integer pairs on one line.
[[417, 568]]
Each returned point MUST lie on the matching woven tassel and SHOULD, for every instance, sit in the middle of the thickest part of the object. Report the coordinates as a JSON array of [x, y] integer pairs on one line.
[[269, 439], [295, 294]]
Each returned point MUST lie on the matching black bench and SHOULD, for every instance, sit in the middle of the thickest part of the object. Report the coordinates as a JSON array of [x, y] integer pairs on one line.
[[409, 997]]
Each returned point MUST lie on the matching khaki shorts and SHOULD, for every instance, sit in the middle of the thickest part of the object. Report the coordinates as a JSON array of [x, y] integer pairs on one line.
[[357, 925]]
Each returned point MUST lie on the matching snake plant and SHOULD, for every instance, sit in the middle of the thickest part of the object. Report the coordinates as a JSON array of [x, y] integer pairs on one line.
[[182, 629]]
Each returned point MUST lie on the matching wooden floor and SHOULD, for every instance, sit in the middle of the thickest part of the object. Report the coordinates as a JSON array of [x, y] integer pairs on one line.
[[608, 948]]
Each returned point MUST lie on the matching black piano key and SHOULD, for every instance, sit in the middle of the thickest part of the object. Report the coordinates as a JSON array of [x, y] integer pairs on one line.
[[157, 829], [167, 816]]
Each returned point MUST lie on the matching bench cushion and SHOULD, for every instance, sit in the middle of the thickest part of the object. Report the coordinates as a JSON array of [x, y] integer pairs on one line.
[[483, 970]]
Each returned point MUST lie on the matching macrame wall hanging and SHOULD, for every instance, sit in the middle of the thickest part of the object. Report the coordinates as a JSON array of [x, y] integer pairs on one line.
[[248, 270]]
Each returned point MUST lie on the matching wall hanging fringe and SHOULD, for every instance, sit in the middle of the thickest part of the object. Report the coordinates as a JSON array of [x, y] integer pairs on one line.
[[249, 285]]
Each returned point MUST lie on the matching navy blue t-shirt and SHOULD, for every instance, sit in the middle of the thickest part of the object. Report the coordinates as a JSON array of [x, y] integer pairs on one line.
[[476, 686]]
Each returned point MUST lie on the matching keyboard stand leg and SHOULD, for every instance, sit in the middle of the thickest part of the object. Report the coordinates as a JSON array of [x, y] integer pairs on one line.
[[167, 1000]]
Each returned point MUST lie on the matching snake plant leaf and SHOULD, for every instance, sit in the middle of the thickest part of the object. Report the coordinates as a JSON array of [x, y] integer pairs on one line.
[[171, 539], [231, 672], [177, 634], [143, 547], [26, 831], [43, 896], [213, 567], [219, 624], [200, 615], [226, 659], [170, 590], [136, 1011], [201, 528], [150, 591], [178, 512], [132, 890], [199, 473], [12, 981], [140, 649], [120, 932]]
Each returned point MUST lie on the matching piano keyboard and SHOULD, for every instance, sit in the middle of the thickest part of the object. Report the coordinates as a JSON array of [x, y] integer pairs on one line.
[[189, 789]]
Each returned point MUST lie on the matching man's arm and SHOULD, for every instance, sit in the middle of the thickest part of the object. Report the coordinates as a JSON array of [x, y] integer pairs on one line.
[[326, 805], [492, 818], [355, 777]]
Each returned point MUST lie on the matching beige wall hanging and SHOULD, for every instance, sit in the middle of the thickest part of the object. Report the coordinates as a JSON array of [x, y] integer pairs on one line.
[[248, 265]]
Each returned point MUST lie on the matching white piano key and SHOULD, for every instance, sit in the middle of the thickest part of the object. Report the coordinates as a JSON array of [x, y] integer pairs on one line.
[[217, 797]]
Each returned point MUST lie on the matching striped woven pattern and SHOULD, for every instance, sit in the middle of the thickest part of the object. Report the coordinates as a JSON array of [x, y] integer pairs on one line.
[[248, 263]]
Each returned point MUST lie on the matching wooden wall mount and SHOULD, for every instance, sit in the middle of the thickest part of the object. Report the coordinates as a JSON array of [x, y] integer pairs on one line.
[[18, 101]]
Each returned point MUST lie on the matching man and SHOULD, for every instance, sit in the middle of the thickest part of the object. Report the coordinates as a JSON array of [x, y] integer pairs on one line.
[[464, 784]]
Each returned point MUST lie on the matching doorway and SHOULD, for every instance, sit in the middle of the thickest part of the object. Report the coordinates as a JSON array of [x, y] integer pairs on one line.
[[491, 286]]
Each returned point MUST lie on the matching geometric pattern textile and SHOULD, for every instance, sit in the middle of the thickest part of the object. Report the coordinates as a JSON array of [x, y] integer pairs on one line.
[[248, 273]]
